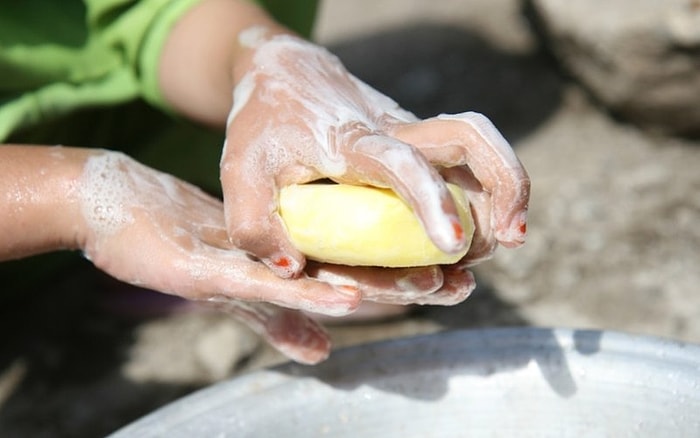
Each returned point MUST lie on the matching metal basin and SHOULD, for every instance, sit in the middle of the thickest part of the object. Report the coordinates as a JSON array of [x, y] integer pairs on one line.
[[494, 382]]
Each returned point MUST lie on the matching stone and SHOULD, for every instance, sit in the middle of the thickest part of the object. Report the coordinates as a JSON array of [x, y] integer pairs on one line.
[[639, 58], [189, 348]]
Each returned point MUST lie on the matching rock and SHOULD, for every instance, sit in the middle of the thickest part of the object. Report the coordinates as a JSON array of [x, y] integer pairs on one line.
[[640, 58], [189, 348], [612, 228]]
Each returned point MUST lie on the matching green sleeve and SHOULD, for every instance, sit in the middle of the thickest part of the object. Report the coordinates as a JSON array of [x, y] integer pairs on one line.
[[156, 18], [74, 54]]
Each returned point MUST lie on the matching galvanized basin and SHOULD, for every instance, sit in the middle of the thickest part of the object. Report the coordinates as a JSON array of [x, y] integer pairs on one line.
[[494, 382]]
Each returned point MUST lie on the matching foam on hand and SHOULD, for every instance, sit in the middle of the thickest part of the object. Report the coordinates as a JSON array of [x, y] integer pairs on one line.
[[363, 226]]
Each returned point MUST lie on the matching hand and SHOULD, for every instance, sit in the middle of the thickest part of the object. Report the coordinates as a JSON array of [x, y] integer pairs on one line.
[[298, 116], [471, 153], [150, 229], [304, 340]]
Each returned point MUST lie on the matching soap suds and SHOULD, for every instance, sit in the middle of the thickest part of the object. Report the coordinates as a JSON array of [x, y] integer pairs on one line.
[[253, 36], [487, 131], [104, 193], [313, 102]]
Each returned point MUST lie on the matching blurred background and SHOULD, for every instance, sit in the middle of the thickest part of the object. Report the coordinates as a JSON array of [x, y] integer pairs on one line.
[[601, 101]]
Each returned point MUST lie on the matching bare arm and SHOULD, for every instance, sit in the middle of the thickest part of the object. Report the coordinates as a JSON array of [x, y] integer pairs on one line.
[[203, 59], [40, 209]]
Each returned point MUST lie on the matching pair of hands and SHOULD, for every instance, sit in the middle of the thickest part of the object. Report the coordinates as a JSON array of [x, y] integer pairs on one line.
[[298, 116]]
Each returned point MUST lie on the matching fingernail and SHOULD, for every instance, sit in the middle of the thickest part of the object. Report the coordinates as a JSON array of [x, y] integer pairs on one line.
[[423, 281], [519, 223], [334, 305], [523, 228], [347, 290], [452, 236], [457, 229], [282, 262], [284, 266], [514, 235]]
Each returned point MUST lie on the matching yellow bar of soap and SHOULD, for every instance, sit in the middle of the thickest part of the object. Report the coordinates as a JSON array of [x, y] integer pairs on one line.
[[363, 226]]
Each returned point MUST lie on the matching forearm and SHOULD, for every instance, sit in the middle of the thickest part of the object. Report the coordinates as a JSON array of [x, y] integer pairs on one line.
[[39, 207], [203, 57]]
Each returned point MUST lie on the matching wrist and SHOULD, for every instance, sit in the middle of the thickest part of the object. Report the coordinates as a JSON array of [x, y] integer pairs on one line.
[[41, 207], [249, 42]]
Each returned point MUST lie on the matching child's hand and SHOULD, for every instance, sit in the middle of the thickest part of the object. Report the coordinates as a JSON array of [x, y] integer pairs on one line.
[[150, 229], [302, 339], [298, 115]]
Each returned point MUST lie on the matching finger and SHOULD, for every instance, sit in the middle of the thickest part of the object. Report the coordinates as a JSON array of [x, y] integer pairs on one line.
[[457, 286], [250, 205], [483, 242], [292, 333], [441, 285], [209, 273], [382, 285], [384, 161], [471, 139]]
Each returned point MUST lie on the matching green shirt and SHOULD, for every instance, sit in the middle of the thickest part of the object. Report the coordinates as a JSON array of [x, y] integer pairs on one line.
[[58, 56], [83, 73]]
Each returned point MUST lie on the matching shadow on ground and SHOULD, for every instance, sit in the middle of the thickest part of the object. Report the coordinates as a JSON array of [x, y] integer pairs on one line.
[[482, 309]]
